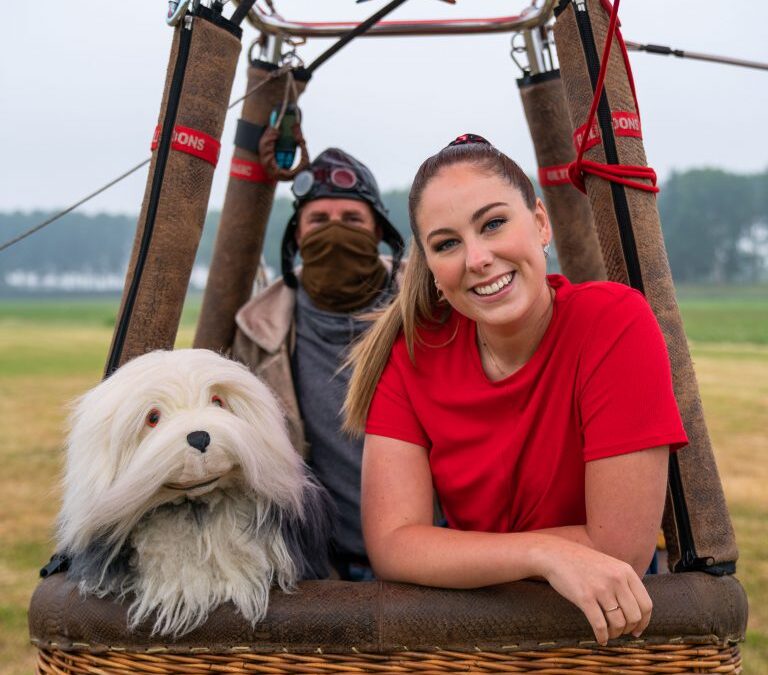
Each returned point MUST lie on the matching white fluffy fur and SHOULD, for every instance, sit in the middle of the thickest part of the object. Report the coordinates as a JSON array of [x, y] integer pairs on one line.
[[185, 550]]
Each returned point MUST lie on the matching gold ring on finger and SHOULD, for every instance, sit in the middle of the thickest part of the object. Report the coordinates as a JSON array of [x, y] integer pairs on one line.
[[612, 609]]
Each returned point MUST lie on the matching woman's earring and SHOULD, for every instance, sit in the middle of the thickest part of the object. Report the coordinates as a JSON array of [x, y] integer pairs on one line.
[[440, 294], [546, 251]]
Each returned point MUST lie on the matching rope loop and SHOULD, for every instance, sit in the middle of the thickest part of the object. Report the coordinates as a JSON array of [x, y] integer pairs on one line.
[[615, 173]]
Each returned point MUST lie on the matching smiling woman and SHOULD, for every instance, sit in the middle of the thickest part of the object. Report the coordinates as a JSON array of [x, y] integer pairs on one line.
[[505, 389], [489, 264]]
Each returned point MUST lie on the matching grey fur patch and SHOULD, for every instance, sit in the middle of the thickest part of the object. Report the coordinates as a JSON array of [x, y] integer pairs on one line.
[[99, 567], [307, 538], [88, 568]]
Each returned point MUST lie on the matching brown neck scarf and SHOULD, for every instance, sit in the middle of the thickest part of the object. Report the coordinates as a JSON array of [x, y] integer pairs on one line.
[[342, 271]]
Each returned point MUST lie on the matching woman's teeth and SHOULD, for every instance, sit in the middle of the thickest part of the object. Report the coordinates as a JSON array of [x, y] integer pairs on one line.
[[495, 287]]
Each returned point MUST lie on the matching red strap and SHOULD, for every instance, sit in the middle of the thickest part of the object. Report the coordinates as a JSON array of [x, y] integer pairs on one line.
[[624, 124], [557, 174], [192, 142], [253, 172], [617, 173]]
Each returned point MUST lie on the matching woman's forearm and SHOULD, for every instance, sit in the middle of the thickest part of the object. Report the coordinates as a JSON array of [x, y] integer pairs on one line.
[[435, 556], [578, 534], [636, 553], [442, 557]]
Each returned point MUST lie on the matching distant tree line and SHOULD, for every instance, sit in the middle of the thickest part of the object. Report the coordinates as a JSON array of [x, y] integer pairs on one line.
[[715, 227]]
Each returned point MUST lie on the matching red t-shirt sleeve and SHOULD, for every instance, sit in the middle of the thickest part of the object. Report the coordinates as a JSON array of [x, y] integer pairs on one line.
[[391, 413], [626, 401]]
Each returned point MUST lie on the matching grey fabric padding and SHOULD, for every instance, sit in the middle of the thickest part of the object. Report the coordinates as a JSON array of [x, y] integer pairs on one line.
[[322, 343]]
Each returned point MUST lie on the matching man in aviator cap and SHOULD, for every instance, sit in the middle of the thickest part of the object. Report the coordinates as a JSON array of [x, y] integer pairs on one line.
[[295, 334]]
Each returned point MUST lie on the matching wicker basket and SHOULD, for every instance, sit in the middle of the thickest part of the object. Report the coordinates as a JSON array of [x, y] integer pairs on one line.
[[339, 627], [667, 658]]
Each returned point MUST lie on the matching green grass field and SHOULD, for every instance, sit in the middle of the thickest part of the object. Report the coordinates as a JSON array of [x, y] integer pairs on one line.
[[51, 351]]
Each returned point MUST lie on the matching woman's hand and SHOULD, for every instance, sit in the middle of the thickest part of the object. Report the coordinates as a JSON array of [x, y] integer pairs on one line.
[[607, 590]]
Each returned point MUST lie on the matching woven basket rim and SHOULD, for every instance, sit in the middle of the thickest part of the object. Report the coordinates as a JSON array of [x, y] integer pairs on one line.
[[266, 649]]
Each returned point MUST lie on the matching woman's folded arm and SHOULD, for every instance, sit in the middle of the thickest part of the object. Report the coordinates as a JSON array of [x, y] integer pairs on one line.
[[403, 545]]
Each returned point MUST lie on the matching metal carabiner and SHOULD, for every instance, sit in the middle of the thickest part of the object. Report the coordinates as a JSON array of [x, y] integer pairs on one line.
[[176, 9]]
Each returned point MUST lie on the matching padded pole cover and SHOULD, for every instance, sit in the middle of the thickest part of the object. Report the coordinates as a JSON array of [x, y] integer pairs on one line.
[[578, 250], [240, 237], [710, 524], [183, 200]]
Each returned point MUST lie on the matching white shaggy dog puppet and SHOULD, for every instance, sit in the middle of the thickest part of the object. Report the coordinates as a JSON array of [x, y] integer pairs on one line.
[[182, 491]]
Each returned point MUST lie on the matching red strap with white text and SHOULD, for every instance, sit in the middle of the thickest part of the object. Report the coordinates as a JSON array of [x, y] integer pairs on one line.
[[253, 172], [557, 174], [624, 124], [192, 142]]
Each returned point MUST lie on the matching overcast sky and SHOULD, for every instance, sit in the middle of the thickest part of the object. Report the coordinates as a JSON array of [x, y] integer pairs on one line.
[[80, 87]]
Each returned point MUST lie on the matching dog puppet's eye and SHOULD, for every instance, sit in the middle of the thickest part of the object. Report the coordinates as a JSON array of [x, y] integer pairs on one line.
[[216, 400], [153, 417]]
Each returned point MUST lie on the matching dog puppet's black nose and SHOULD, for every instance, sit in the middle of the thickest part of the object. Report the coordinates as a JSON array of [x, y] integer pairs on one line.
[[199, 440]]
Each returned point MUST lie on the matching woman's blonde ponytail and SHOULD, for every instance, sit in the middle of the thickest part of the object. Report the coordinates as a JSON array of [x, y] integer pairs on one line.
[[415, 305]]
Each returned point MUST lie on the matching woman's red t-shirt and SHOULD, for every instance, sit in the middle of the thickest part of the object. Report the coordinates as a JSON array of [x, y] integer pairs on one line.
[[509, 456]]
